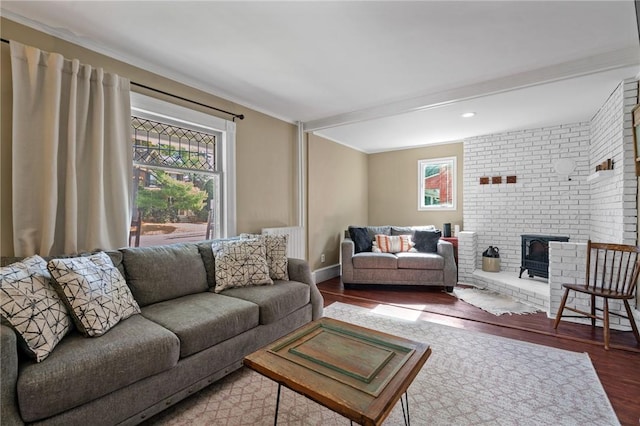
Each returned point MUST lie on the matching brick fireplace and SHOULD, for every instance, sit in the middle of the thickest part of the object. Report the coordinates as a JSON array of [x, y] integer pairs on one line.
[[543, 202], [534, 254]]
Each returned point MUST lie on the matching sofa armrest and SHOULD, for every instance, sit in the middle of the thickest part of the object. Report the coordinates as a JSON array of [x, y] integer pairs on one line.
[[445, 249], [9, 371], [300, 271], [347, 250]]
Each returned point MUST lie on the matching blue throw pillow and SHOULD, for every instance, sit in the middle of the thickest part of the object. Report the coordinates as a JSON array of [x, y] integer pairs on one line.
[[426, 241], [361, 239]]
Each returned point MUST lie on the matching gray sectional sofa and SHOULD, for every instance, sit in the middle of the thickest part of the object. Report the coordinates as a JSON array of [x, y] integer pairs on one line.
[[185, 338], [434, 268]]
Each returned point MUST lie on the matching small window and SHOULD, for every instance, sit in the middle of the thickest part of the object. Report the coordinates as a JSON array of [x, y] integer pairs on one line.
[[436, 184]]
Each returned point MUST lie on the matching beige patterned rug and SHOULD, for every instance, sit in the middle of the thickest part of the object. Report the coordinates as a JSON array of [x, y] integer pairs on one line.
[[470, 379]]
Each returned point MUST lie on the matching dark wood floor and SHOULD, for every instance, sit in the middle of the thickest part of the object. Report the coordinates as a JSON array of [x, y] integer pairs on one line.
[[618, 368]]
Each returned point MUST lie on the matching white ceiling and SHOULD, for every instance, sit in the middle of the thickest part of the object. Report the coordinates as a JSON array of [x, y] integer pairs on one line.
[[375, 76]]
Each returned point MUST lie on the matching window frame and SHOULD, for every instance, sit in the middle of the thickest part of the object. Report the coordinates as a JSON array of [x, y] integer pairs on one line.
[[225, 130], [422, 164]]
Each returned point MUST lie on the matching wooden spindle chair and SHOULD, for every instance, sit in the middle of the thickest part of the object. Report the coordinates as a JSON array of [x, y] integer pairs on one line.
[[612, 273]]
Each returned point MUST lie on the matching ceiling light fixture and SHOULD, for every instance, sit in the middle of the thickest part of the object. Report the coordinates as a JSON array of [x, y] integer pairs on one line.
[[468, 114]]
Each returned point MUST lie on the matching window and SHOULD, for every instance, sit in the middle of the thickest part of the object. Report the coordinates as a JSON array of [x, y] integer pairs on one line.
[[182, 174], [436, 184]]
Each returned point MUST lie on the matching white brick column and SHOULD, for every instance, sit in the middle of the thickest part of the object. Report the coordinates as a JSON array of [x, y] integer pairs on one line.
[[467, 255]]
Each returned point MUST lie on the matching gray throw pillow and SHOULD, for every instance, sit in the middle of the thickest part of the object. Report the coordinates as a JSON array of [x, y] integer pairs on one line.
[[401, 230], [361, 239], [426, 241]]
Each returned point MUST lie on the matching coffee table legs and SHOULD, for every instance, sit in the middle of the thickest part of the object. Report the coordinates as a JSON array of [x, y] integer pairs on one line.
[[404, 403], [275, 420], [405, 414]]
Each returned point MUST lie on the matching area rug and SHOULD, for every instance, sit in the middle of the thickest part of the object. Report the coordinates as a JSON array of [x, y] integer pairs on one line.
[[470, 379], [493, 302]]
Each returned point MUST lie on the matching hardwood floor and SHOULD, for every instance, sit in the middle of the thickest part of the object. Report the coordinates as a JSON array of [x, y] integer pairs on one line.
[[618, 368]]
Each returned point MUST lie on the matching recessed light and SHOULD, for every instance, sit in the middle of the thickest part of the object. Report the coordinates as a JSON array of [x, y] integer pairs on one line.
[[468, 114]]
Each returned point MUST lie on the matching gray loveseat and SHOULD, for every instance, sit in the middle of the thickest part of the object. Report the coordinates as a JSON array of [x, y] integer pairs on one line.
[[185, 338], [436, 268]]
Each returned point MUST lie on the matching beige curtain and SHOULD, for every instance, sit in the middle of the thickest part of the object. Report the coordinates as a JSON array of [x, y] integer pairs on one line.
[[72, 157]]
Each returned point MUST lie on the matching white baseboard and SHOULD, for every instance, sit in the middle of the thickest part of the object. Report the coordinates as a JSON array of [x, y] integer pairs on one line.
[[326, 273]]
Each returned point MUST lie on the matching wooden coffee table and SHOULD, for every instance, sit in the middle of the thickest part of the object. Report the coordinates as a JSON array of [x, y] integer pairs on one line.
[[354, 371]]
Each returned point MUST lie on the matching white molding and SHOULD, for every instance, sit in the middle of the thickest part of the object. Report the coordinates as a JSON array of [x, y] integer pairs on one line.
[[148, 107], [616, 59], [301, 170], [229, 214], [326, 273]]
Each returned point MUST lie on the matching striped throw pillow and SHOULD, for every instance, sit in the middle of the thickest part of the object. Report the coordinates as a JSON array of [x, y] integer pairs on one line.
[[393, 243]]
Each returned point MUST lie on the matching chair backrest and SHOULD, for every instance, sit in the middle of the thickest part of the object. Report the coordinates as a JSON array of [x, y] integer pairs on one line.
[[613, 267]]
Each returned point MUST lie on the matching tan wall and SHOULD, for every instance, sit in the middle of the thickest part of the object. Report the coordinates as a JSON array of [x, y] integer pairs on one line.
[[393, 187], [265, 146], [337, 197]]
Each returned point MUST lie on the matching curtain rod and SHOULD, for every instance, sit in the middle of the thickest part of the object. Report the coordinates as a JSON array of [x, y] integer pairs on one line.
[[240, 116]]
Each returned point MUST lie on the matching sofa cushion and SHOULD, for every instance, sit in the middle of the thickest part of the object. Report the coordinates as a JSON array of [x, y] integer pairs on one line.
[[161, 273], [32, 307], [202, 320], [375, 261], [94, 291], [426, 241], [116, 259], [401, 230], [420, 261], [209, 261], [81, 370], [361, 239], [378, 230], [276, 301], [240, 263]]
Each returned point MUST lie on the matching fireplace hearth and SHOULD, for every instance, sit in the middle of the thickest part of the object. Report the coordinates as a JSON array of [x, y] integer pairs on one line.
[[535, 254]]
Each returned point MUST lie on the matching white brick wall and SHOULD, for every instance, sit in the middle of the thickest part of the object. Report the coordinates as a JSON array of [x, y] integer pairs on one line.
[[613, 200], [541, 202], [568, 265]]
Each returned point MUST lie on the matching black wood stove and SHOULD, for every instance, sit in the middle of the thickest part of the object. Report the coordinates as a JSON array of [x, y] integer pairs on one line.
[[535, 254]]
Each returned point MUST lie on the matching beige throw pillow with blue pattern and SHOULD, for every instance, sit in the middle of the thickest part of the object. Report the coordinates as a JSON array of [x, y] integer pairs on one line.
[[31, 306], [240, 263], [94, 291]]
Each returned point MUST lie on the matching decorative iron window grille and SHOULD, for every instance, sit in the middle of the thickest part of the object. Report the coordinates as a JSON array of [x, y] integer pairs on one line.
[[163, 145]]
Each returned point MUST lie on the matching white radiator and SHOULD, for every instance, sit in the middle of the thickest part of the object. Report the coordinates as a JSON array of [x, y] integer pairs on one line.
[[295, 243]]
